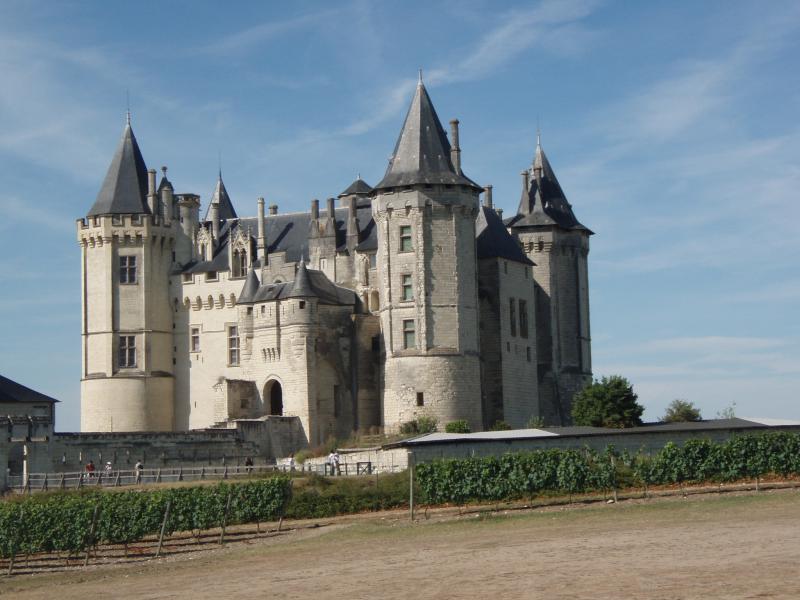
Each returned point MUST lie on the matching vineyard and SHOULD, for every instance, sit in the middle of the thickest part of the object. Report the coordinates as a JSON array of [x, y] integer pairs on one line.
[[526, 474], [74, 522]]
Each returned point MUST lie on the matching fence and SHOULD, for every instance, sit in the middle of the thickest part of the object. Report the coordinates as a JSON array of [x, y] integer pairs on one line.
[[37, 482]]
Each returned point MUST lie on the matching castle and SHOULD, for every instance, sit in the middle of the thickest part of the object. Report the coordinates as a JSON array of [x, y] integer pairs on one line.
[[407, 299]]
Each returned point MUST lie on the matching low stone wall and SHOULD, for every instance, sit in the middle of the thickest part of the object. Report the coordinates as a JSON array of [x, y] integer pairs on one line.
[[381, 461], [264, 440]]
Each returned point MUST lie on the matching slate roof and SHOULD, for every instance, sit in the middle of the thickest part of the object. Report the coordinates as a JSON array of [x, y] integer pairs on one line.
[[422, 152], [493, 239], [124, 190], [288, 232], [11, 391], [359, 188], [221, 197], [545, 204], [307, 283]]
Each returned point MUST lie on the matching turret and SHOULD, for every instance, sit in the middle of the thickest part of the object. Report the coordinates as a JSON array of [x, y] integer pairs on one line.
[[425, 210], [558, 244], [127, 379]]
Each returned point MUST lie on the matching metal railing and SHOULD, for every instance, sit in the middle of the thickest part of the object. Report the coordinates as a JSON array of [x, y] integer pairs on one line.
[[37, 482]]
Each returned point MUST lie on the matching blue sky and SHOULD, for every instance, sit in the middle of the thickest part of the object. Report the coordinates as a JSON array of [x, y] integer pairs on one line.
[[673, 127]]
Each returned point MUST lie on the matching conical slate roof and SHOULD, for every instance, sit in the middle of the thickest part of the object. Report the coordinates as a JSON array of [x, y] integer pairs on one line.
[[124, 189], [493, 239], [422, 152], [545, 203], [220, 197], [358, 188], [301, 286], [248, 293]]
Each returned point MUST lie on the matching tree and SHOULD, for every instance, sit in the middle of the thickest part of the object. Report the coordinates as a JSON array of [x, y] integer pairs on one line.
[[681, 411], [608, 402]]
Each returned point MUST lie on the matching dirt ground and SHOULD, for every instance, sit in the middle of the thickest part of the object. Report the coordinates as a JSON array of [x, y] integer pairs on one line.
[[733, 546]]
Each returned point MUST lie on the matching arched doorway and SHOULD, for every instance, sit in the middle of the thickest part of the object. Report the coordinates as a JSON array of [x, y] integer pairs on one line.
[[273, 397]]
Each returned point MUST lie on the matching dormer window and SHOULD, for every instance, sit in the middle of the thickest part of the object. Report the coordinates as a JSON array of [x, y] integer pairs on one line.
[[239, 266], [211, 276]]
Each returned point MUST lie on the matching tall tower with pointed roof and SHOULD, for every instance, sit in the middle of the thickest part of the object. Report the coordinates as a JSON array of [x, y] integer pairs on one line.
[[425, 210], [558, 244], [127, 241]]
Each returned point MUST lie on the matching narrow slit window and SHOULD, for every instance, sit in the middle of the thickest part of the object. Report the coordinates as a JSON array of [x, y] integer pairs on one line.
[[408, 290], [523, 319], [195, 344], [127, 351], [512, 307]]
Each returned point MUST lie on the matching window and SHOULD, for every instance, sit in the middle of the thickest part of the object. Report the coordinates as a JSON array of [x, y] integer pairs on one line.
[[376, 344], [233, 345], [202, 252], [211, 276], [245, 402], [239, 263], [373, 261], [408, 291], [195, 339], [409, 334], [405, 238], [127, 351], [127, 269], [528, 352], [187, 278], [420, 399], [512, 307], [302, 304], [523, 319]]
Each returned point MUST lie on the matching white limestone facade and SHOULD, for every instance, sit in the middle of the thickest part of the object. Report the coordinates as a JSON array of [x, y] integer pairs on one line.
[[405, 300]]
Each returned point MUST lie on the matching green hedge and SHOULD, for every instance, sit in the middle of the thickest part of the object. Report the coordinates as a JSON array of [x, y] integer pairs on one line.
[[61, 522], [526, 474]]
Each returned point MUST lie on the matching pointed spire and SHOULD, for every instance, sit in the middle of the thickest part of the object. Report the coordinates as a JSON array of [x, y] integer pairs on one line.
[[545, 203], [223, 200], [124, 189], [422, 152]]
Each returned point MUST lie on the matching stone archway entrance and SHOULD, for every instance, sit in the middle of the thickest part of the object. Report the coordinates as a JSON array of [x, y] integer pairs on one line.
[[273, 397]]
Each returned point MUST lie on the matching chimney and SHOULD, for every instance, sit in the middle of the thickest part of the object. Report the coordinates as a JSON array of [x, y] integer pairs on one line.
[[487, 196], [166, 200], [525, 175], [455, 150], [151, 191], [500, 213], [313, 226], [330, 221], [273, 209], [261, 243], [352, 224], [215, 222]]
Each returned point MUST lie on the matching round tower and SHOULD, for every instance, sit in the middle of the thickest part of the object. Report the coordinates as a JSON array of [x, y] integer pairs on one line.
[[558, 245], [126, 253], [425, 210]]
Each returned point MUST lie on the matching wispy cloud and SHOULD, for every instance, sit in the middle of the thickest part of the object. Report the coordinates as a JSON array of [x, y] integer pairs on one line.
[[247, 39], [514, 33], [16, 212]]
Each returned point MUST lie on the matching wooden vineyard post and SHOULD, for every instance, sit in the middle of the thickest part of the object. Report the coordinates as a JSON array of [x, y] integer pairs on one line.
[[163, 529], [225, 519], [411, 484], [90, 536]]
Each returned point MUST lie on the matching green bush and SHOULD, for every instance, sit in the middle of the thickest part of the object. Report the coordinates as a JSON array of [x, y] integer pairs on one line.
[[500, 426], [420, 425], [457, 427]]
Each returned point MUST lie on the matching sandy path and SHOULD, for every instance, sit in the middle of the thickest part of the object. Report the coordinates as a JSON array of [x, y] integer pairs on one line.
[[703, 547]]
